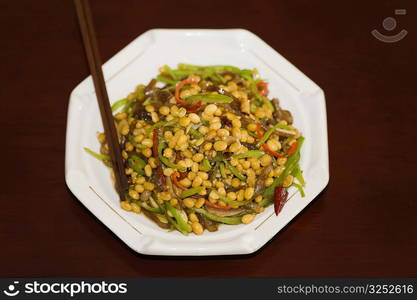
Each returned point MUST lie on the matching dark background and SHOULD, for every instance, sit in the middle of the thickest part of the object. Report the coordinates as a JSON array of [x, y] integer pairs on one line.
[[363, 224]]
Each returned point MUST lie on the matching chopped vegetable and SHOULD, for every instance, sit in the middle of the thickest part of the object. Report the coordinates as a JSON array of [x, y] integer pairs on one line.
[[264, 87], [225, 220], [250, 154], [229, 202], [211, 98], [208, 203], [97, 155], [182, 224], [236, 172], [195, 134], [206, 164], [300, 189], [291, 164], [271, 152], [165, 161], [118, 104], [222, 171], [292, 148], [137, 164], [174, 178], [191, 192], [192, 107], [150, 208]]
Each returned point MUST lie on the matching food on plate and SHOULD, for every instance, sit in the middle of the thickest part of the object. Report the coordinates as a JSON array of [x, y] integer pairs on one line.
[[203, 146]]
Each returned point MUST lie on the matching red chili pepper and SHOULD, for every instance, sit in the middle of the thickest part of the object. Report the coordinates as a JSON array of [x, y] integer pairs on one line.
[[182, 175], [178, 89], [271, 152], [294, 147], [155, 155], [264, 87], [208, 203], [280, 197], [258, 131], [174, 179], [191, 108]]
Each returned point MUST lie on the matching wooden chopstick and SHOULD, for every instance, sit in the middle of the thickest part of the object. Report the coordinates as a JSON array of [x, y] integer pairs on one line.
[[94, 62]]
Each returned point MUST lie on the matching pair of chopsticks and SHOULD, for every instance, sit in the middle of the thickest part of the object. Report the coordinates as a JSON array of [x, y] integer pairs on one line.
[[94, 62]]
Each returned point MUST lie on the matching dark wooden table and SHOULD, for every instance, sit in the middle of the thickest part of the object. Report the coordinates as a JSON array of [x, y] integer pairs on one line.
[[363, 224]]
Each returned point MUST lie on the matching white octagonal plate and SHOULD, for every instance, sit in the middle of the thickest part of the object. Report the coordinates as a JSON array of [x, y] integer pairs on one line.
[[138, 62]]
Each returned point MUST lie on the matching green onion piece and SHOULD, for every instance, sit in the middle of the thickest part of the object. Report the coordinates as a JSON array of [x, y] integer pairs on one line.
[[128, 104], [298, 174], [206, 165], [190, 192], [215, 68], [225, 220], [183, 225], [266, 135], [269, 132], [300, 188], [164, 79], [218, 78], [137, 164], [147, 101], [290, 165], [162, 124], [210, 98], [236, 172], [165, 160], [229, 202], [119, 103], [180, 74], [97, 155], [250, 153], [196, 134], [222, 172], [169, 164], [246, 74], [150, 208]]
